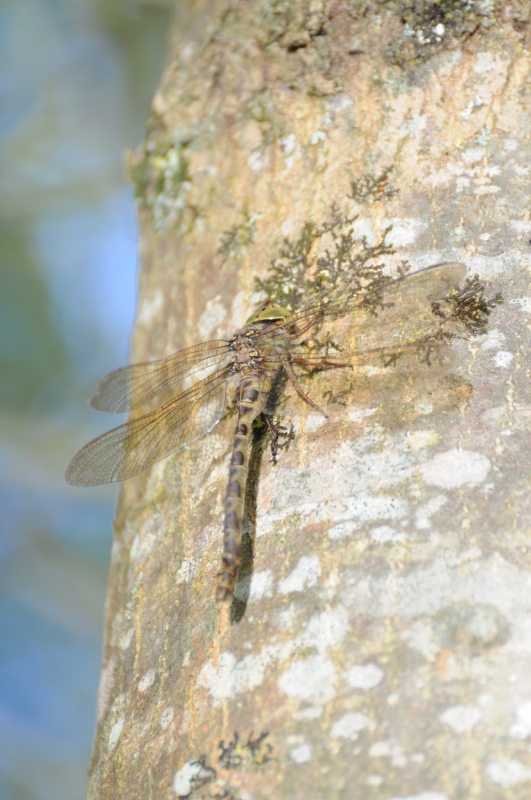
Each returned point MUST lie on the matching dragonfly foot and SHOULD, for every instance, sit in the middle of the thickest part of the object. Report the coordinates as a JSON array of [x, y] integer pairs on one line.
[[278, 431]]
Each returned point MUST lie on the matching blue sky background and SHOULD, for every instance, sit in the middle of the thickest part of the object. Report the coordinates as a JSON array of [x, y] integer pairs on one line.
[[76, 77]]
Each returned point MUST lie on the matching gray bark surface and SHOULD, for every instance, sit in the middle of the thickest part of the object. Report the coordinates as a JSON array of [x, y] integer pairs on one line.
[[379, 645]]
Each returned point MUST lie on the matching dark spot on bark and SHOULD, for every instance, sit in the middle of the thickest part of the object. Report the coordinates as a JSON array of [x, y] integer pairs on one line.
[[471, 628]]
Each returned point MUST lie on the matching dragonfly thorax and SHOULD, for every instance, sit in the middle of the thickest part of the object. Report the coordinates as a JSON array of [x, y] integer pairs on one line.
[[247, 353]]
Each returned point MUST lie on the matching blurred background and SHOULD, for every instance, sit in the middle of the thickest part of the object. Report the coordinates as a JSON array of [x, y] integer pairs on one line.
[[76, 80]]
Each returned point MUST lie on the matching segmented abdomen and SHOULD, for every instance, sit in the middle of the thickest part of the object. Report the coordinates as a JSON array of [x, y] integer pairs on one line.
[[252, 395]]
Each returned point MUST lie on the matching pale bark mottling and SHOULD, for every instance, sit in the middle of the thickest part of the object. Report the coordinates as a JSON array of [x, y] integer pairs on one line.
[[382, 631]]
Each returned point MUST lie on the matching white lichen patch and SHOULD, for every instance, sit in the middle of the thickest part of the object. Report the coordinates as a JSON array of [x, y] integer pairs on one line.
[[151, 309], [146, 682], [340, 102], [520, 226], [359, 414], [423, 514], [474, 154], [309, 423], [364, 676], [306, 574], [456, 468], [141, 546], [126, 639], [301, 754], [423, 796], [418, 440], [115, 733], [349, 725], [461, 718], [106, 686], [211, 318], [255, 587], [508, 773], [386, 748], [311, 712], [393, 699], [420, 637], [258, 160], [229, 677], [317, 137], [325, 629], [166, 717], [523, 303], [188, 570], [502, 589], [384, 534], [367, 508], [368, 460], [312, 679], [342, 530], [267, 523], [363, 228], [288, 144], [521, 728], [404, 231], [492, 340], [232, 677], [187, 778], [471, 554], [503, 359]]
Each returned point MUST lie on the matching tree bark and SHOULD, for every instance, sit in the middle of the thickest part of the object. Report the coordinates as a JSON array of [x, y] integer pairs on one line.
[[379, 645]]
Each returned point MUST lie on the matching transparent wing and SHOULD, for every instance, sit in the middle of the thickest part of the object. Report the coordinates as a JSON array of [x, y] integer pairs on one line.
[[127, 450], [398, 311], [132, 386], [369, 377]]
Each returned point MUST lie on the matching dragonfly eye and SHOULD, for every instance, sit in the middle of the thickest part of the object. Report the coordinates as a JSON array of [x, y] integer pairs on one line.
[[269, 314]]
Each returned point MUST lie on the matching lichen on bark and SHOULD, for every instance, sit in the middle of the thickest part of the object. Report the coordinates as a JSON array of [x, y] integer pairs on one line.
[[378, 646]]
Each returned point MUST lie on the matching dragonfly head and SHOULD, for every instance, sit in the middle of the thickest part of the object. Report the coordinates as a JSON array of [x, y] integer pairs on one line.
[[268, 313]]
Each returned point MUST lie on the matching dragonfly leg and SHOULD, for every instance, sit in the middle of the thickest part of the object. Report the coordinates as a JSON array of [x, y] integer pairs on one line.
[[293, 379], [310, 324], [276, 432], [309, 362]]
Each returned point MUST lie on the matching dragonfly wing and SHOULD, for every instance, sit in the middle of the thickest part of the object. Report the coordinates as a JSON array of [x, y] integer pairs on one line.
[[402, 310], [338, 382], [127, 450], [399, 311], [132, 386]]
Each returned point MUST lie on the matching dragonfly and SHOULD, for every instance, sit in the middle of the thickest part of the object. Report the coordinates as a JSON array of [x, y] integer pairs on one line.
[[377, 341]]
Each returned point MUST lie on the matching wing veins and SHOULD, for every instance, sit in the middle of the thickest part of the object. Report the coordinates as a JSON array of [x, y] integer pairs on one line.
[[133, 385], [447, 275], [108, 454]]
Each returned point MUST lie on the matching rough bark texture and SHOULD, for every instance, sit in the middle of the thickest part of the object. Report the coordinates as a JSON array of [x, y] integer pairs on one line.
[[380, 643]]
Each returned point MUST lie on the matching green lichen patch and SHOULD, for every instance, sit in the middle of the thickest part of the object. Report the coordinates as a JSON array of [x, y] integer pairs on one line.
[[217, 778], [429, 26], [234, 239], [329, 262], [290, 23], [161, 179], [466, 308], [370, 188], [301, 276]]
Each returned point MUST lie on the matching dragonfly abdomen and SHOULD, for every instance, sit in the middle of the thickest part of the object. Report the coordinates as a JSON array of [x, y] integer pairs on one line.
[[252, 395]]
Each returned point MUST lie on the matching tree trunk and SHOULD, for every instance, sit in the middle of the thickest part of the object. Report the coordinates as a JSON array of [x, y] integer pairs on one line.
[[379, 644]]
